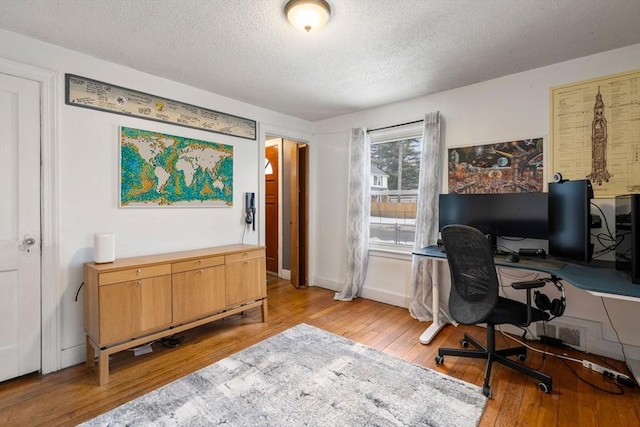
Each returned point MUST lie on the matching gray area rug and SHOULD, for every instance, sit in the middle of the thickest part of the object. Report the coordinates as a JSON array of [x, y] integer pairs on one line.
[[306, 377]]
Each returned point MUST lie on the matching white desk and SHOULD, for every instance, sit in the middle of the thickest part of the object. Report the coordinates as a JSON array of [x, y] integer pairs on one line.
[[601, 282]]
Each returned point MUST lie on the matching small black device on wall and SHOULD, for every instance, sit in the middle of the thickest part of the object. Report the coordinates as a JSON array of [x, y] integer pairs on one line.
[[628, 235], [250, 209]]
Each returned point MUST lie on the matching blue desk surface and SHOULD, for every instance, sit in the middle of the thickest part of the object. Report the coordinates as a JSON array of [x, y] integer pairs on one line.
[[588, 278]]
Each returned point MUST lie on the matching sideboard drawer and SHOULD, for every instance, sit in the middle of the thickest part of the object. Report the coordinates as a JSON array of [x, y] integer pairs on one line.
[[134, 274], [195, 264], [244, 256]]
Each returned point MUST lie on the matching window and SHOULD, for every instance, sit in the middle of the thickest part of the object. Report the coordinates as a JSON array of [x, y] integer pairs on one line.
[[268, 167], [395, 170]]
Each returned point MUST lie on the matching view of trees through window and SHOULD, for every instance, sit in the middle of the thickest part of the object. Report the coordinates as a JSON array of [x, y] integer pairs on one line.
[[395, 170]]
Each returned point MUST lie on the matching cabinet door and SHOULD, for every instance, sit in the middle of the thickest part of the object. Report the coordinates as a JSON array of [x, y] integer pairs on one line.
[[129, 309], [198, 293], [246, 281]]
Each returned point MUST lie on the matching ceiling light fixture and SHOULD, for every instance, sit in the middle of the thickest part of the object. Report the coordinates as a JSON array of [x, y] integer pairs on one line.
[[308, 15]]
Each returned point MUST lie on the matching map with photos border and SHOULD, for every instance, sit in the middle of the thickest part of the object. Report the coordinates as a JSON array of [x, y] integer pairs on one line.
[[96, 95]]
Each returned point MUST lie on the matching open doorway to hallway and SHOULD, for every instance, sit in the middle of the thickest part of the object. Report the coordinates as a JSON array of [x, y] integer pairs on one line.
[[286, 209]]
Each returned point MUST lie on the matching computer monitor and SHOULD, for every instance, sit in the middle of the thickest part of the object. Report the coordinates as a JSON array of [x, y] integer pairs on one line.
[[570, 220], [521, 215]]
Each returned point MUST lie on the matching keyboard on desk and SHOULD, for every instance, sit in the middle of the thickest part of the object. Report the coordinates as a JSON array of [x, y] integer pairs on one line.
[[542, 262], [530, 261]]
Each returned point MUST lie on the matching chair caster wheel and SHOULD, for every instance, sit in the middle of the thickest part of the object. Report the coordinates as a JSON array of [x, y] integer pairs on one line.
[[522, 357], [439, 360], [464, 343], [544, 387], [486, 390]]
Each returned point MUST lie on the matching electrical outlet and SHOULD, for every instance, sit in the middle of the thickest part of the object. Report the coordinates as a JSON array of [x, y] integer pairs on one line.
[[143, 349], [593, 366], [605, 371]]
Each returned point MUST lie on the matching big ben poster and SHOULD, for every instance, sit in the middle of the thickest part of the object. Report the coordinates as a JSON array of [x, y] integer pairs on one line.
[[595, 133]]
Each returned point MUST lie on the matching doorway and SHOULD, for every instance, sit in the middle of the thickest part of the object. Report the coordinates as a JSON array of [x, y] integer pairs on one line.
[[20, 249], [286, 235], [271, 196], [47, 310]]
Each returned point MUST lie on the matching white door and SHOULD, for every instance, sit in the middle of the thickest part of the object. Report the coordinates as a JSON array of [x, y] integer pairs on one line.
[[20, 307]]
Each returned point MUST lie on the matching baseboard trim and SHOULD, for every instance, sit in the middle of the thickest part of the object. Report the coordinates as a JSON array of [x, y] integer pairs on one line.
[[386, 297], [327, 284], [73, 356], [368, 293]]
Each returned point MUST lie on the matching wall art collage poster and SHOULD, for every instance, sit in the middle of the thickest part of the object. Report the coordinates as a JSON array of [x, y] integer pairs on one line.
[[157, 169], [505, 167]]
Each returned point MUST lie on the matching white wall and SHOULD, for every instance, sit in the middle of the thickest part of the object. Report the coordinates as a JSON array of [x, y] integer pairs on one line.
[[508, 108], [88, 175], [511, 107]]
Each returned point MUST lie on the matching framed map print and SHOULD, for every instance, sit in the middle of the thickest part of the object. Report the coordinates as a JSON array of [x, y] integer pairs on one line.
[[157, 169]]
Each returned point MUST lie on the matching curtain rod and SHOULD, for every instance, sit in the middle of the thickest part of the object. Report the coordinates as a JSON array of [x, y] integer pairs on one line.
[[395, 126]]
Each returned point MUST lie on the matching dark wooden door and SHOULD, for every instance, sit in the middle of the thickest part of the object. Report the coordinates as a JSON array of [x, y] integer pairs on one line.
[[271, 208], [303, 215], [299, 206]]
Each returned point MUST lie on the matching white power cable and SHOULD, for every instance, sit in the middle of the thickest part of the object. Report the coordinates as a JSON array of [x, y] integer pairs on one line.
[[546, 353]]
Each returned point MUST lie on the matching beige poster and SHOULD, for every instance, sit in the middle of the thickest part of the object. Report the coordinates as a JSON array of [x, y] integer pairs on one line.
[[595, 133], [96, 95]]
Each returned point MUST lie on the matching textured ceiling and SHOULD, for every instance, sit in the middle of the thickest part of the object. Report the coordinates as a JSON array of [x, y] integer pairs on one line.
[[371, 53]]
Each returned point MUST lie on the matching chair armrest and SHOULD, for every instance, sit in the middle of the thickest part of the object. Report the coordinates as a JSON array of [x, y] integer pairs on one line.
[[531, 284]]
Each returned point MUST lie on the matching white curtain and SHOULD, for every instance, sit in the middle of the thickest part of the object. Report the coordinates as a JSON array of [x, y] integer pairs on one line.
[[358, 214], [429, 187]]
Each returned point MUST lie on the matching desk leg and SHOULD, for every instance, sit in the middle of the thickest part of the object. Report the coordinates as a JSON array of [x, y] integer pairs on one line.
[[436, 325]]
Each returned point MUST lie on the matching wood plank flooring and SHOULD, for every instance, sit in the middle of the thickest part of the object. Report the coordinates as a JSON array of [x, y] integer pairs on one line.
[[71, 396]]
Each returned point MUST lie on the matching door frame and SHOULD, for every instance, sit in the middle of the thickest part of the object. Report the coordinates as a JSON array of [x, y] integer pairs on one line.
[[299, 206], [279, 204], [49, 210], [291, 135]]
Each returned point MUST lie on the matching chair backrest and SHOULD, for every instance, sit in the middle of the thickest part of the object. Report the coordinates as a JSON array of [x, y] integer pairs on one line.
[[474, 282]]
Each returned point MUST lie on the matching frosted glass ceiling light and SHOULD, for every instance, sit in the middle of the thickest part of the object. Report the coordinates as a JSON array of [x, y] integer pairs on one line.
[[308, 15]]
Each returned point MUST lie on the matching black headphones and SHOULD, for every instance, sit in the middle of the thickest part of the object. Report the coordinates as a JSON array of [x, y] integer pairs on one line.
[[555, 307]]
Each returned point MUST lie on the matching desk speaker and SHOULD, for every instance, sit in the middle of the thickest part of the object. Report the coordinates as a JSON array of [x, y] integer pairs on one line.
[[104, 248]]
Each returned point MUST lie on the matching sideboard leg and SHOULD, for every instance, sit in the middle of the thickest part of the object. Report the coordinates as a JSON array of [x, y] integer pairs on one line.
[[91, 354], [103, 368], [265, 310]]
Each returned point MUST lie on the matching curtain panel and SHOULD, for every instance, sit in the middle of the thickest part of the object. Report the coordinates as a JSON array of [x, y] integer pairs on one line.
[[359, 205], [429, 187]]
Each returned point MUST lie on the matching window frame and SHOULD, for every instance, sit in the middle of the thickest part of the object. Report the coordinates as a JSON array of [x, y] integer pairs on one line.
[[391, 134]]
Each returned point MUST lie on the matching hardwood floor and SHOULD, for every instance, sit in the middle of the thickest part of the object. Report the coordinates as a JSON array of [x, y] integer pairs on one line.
[[71, 396]]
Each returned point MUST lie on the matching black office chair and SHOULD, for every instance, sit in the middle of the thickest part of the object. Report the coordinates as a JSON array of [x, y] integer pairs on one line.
[[474, 299]]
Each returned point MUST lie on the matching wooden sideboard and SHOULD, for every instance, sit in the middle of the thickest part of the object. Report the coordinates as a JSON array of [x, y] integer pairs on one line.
[[133, 301]]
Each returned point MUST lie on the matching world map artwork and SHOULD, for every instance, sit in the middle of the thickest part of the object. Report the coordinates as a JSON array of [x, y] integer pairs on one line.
[[166, 170]]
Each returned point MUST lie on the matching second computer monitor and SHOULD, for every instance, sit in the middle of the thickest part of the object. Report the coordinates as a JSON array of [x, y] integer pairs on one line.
[[510, 215]]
